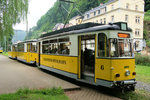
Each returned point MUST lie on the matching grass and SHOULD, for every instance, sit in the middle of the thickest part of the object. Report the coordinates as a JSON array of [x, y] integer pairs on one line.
[[45, 94], [134, 95], [5, 53], [143, 73]]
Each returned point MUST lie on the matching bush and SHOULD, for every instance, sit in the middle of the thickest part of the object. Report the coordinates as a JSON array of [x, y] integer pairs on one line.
[[142, 60]]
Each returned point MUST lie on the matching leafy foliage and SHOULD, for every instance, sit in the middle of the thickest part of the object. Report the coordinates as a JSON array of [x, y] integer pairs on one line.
[[142, 60], [57, 14], [147, 5], [147, 16], [11, 12]]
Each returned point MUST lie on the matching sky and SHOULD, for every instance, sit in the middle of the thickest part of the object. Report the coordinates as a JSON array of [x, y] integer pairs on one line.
[[37, 8]]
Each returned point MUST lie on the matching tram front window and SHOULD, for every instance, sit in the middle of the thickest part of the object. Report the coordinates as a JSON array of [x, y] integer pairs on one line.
[[120, 48]]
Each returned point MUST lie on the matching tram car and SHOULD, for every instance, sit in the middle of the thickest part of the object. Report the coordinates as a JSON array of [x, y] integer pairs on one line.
[[12, 51], [27, 51], [1, 50], [92, 53]]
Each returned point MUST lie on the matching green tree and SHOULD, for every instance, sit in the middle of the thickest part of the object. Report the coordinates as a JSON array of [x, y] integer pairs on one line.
[[147, 5], [11, 12]]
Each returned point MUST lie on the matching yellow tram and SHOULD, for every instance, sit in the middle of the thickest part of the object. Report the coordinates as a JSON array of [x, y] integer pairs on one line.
[[12, 51], [1, 50], [27, 51], [93, 53], [96, 54]]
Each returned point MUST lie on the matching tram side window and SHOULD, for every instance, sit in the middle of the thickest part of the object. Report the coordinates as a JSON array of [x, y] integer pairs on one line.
[[45, 47], [21, 47], [113, 48], [13, 48], [33, 47], [64, 46], [28, 47], [103, 48], [56, 46]]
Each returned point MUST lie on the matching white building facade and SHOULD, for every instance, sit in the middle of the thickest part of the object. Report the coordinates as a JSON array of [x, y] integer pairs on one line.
[[130, 11]]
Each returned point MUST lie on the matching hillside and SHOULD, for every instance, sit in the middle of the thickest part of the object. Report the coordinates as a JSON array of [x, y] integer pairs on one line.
[[57, 14], [19, 35]]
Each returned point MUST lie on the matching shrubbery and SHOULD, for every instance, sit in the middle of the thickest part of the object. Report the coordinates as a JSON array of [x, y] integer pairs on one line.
[[142, 60]]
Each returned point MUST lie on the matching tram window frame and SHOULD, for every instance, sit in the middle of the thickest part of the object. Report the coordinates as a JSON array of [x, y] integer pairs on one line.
[[33, 47], [103, 51], [113, 45], [54, 46], [126, 53], [65, 50], [20, 47], [29, 48]]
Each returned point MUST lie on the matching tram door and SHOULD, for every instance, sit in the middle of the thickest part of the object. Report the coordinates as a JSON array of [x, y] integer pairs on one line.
[[28, 52], [87, 56]]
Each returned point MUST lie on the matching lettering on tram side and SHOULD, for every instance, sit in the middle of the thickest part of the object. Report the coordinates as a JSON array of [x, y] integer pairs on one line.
[[55, 60]]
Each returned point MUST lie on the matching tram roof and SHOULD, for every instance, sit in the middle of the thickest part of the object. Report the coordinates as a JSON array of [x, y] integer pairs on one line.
[[27, 41], [87, 27]]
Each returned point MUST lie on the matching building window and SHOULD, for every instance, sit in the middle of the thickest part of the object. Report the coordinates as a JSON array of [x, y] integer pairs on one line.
[[105, 9], [136, 7], [112, 19], [126, 18], [101, 21], [127, 6], [112, 7], [94, 13], [104, 20], [137, 19], [137, 32], [99, 11], [88, 15], [96, 21]]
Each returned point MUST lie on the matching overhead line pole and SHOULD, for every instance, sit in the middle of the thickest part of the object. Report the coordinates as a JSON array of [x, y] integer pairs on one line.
[[67, 1]]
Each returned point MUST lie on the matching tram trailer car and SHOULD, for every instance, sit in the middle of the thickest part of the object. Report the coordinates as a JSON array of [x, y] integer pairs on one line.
[[27, 51], [92, 53], [1, 50], [12, 51]]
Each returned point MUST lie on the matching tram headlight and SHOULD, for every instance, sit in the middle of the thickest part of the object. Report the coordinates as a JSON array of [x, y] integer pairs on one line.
[[117, 75], [127, 73]]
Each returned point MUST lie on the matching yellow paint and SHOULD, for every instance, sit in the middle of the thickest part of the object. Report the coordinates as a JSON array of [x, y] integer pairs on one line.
[[1, 51], [22, 55], [12, 54], [64, 63], [113, 67], [119, 67], [102, 74], [33, 57], [27, 56]]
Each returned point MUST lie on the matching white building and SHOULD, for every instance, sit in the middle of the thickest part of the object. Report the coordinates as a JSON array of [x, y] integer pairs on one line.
[[130, 11]]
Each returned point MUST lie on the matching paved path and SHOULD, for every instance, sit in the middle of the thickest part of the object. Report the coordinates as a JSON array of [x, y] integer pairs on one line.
[[15, 75], [143, 86], [89, 94]]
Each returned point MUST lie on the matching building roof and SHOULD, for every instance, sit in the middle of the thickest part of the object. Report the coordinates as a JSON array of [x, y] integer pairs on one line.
[[100, 6]]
